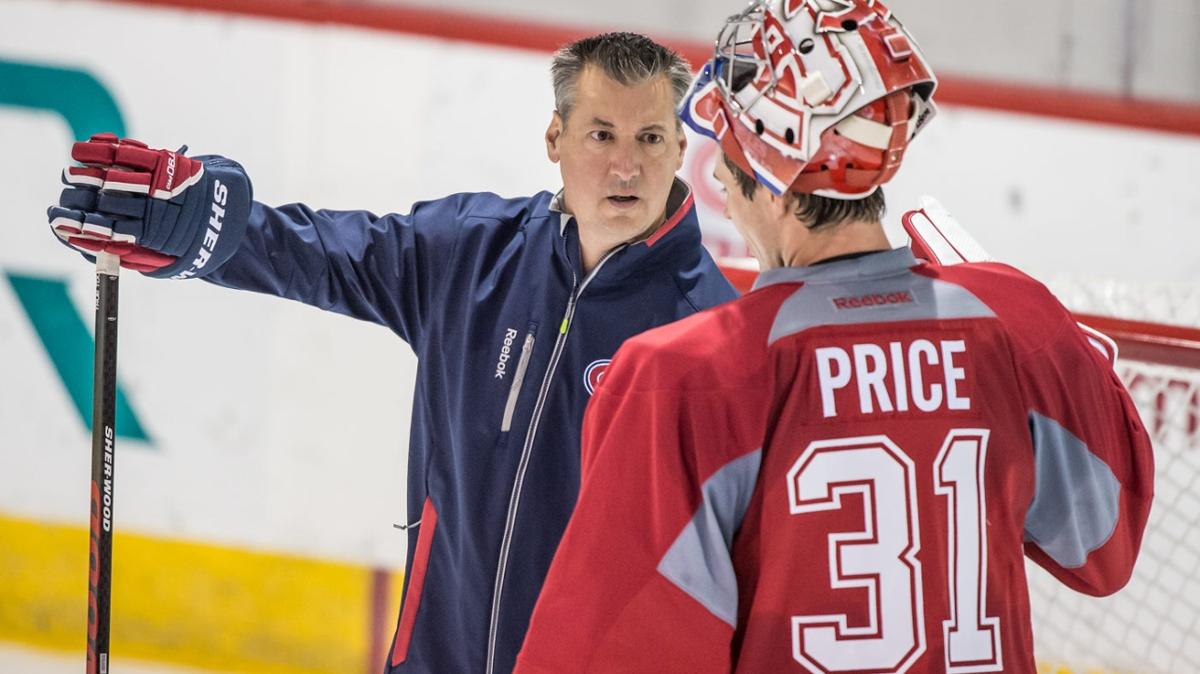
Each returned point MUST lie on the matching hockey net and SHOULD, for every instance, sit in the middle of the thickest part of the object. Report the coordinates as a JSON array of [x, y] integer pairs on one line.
[[1152, 626]]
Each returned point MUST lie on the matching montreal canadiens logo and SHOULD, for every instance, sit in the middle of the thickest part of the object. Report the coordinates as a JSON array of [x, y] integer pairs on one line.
[[594, 373]]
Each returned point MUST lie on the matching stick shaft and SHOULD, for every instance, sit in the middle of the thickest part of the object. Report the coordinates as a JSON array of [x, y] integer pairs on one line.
[[104, 398]]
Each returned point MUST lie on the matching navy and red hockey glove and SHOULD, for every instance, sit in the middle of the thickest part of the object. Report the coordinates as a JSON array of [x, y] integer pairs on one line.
[[162, 213]]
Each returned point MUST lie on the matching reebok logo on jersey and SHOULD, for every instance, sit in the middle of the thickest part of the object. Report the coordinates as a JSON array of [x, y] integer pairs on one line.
[[505, 353], [594, 373], [873, 300]]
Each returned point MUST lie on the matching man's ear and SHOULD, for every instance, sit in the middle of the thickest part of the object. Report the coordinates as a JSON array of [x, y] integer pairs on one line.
[[553, 135], [682, 150]]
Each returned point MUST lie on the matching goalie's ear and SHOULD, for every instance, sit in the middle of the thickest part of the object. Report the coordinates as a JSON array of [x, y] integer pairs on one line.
[[936, 236]]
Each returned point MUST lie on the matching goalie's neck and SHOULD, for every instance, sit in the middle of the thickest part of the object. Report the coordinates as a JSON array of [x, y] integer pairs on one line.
[[799, 246]]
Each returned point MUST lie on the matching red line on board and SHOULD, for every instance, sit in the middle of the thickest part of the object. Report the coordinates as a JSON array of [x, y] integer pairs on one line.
[[1045, 101]]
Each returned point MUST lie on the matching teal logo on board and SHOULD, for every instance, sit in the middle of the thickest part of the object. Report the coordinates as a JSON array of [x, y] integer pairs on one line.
[[87, 107], [82, 101], [70, 346]]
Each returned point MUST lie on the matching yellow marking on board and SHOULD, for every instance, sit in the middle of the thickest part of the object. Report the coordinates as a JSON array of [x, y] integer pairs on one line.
[[190, 603], [202, 605]]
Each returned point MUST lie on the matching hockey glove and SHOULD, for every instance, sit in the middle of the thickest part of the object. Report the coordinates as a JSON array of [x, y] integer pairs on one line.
[[162, 213]]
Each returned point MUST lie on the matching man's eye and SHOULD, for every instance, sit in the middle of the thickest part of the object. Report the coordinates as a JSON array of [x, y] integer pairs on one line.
[[601, 135], [652, 138]]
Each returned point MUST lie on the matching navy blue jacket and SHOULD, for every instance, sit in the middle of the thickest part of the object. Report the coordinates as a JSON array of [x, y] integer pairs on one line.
[[510, 337]]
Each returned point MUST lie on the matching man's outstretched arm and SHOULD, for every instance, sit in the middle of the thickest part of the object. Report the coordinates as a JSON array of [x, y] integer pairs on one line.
[[384, 269], [172, 216]]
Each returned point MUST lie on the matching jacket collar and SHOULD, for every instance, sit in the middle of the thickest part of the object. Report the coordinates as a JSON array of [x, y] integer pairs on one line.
[[678, 234]]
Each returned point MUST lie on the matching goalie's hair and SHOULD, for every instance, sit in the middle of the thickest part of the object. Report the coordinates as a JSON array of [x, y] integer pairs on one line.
[[813, 210], [628, 58]]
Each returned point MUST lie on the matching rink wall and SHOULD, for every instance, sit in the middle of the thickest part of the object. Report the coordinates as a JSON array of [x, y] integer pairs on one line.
[[206, 606], [262, 456]]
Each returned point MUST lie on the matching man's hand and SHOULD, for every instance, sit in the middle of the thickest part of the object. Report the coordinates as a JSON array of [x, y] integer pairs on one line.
[[162, 213]]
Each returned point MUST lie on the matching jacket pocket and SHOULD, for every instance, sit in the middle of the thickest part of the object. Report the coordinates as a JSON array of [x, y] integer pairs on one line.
[[416, 582], [514, 391]]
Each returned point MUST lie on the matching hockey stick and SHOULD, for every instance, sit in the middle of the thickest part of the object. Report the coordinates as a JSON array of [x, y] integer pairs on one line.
[[937, 236], [104, 399]]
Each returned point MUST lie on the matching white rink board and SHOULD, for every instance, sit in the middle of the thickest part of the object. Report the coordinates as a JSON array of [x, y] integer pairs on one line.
[[276, 426], [18, 659]]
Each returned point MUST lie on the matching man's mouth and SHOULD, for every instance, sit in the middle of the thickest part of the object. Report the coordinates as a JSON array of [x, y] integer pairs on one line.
[[621, 201]]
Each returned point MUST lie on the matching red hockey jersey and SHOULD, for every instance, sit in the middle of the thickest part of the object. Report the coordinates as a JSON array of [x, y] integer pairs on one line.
[[841, 472]]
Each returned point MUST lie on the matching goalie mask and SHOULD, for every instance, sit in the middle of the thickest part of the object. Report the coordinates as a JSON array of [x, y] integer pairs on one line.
[[814, 96]]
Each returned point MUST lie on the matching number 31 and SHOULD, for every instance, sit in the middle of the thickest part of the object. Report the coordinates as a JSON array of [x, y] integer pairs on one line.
[[882, 558]]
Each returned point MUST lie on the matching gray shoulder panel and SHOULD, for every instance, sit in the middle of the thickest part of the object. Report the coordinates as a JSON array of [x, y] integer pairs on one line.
[[1074, 509], [902, 296], [699, 561]]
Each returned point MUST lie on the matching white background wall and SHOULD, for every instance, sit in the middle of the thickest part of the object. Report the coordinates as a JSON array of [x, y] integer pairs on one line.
[[1144, 48], [277, 426]]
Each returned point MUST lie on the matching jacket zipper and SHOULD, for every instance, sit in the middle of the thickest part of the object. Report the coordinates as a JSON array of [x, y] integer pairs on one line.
[[518, 378], [514, 500]]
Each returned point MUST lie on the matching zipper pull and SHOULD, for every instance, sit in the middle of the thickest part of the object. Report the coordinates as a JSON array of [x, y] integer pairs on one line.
[[562, 329]]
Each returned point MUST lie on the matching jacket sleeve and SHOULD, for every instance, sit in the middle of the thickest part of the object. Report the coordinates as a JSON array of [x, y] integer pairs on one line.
[[1094, 465], [384, 269], [643, 580]]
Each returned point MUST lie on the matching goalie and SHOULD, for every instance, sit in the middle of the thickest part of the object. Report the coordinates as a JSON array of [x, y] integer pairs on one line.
[[843, 470]]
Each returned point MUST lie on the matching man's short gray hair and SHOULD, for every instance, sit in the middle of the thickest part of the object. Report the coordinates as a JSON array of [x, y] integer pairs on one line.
[[628, 58]]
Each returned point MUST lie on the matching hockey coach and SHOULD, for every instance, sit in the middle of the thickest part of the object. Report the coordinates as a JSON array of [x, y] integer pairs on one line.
[[513, 307]]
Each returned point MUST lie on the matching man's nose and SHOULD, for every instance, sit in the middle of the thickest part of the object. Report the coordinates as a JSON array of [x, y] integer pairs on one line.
[[624, 163]]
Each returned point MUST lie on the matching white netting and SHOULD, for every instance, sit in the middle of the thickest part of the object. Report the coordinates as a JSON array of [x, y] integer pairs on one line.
[[1171, 303], [1153, 625]]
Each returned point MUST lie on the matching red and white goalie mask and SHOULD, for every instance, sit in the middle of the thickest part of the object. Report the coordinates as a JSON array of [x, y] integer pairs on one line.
[[815, 96]]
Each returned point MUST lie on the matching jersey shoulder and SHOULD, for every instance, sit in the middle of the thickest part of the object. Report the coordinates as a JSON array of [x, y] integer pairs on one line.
[[1030, 314], [720, 348]]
